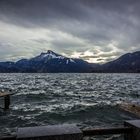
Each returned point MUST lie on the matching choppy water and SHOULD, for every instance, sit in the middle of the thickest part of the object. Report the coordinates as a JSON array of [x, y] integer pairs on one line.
[[88, 100]]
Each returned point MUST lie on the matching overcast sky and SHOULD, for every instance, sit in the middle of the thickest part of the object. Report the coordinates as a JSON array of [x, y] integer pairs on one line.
[[94, 30]]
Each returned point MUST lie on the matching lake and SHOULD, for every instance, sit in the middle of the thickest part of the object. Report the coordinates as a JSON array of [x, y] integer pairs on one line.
[[88, 100]]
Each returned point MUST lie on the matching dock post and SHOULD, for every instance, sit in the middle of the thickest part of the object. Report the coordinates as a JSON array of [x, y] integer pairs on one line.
[[6, 102], [135, 134]]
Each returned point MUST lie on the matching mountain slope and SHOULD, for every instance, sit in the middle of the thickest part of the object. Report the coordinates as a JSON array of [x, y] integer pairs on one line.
[[129, 62], [48, 62], [51, 62]]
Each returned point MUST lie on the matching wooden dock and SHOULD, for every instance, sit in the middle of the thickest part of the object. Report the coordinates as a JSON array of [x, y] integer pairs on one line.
[[130, 131], [6, 97]]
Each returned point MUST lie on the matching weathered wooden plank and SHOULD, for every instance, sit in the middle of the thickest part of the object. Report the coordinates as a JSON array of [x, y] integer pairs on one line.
[[106, 131], [54, 132], [6, 97], [11, 137], [135, 126], [3, 94], [6, 102], [131, 131]]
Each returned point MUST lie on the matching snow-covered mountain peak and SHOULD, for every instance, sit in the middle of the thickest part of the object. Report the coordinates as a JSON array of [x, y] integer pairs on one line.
[[46, 56], [50, 55], [49, 52]]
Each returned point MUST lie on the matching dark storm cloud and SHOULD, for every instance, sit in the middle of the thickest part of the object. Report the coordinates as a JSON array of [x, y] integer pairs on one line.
[[37, 12], [106, 27]]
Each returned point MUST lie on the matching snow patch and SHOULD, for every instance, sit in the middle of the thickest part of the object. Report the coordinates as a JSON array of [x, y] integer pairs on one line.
[[51, 55], [67, 61], [71, 60]]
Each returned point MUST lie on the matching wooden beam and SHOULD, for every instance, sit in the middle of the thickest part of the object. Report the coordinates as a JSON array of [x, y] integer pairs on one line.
[[107, 131], [2, 94], [11, 137], [6, 97], [6, 102]]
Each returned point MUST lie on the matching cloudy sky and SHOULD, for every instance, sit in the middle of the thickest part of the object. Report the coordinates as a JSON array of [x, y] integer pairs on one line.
[[94, 30]]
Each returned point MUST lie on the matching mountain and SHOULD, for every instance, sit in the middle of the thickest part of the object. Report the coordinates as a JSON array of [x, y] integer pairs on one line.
[[51, 62], [129, 62], [47, 62], [7, 67]]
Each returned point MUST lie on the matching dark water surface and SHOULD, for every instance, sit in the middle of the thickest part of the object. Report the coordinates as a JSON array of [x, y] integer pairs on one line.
[[88, 100]]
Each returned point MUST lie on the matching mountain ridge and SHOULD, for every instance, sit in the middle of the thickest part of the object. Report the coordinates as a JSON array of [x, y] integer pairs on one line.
[[51, 62], [129, 62]]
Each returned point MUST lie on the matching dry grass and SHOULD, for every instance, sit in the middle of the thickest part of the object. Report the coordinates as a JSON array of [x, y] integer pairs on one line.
[[131, 108]]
